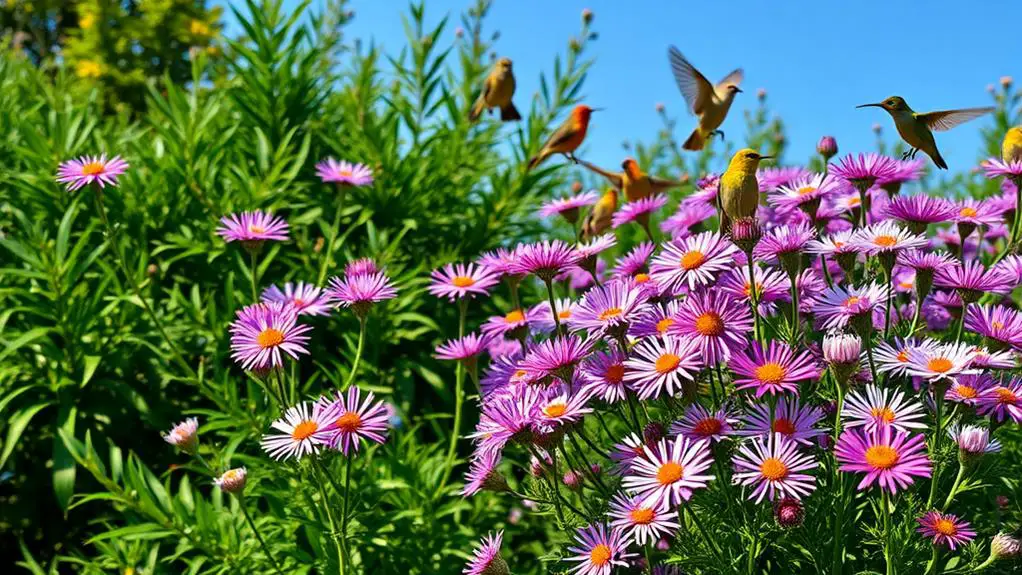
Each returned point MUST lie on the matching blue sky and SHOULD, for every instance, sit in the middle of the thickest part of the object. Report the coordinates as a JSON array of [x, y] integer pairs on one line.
[[817, 60]]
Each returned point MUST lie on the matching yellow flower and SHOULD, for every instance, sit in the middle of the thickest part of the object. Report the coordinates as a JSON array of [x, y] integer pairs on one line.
[[199, 28], [88, 69], [87, 20]]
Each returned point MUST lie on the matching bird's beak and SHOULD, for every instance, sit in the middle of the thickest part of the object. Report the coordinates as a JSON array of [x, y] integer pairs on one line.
[[871, 106], [596, 109], [739, 90], [761, 158]]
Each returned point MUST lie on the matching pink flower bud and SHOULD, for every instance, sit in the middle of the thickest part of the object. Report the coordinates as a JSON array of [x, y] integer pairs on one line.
[[184, 435], [232, 480]]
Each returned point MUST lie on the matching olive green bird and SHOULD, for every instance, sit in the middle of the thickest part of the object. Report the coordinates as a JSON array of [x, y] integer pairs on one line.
[[498, 90], [710, 103], [738, 189], [917, 129]]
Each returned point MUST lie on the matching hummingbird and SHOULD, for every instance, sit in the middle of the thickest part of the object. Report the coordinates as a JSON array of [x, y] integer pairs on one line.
[[710, 103], [738, 189], [633, 182], [497, 92], [566, 138], [917, 129]]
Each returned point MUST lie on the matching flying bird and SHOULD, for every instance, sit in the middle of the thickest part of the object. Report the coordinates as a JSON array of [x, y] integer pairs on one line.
[[917, 129], [738, 189], [567, 138], [635, 183], [498, 89], [708, 102], [599, 218]]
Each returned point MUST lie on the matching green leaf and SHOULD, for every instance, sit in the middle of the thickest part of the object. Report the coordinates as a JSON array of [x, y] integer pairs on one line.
[[14, 394], [91, 363], [16, 426], [64, 466], [25, 339], [134, 532]]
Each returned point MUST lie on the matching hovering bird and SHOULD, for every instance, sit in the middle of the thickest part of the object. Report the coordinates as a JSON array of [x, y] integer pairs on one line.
[[710, 103], [738, 189], [1011, 147], [497, 92], [916, 129], [635, 184], [598, 219], [567, 138]]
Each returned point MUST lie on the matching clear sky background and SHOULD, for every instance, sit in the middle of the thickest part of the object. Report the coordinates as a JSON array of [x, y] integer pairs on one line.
[[816, 59]]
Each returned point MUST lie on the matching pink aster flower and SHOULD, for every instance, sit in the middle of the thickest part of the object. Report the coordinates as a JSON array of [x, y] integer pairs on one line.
[[568, 207], [510, 323], [804, 190], [609, 308], [465, 348], [658, 365], [486, 559], [301, 432], [718, 324], [482, 474], [972, 440], [688, 215], [598, 551], [774, 370], [921, 210], [500, 261], [545, 259], [837, 306], [997, 323], [905, 171], [605, 372], [772, 178], [874, 408], [353, 419], [589, 251], [184, 435], [556, 357], [774, 467], [888, 457], [945, 529], [671, 472], [893, 356], [456, 281], [971, 280], [692, 261], [887, 237], [262, 331], [558, 406], [977, 212], [361, 292], [1011, 266], [986, 359], [655, 322], [80, 172], [361, 267], [506, 419], [1002, 401], [941, 362], [994, 168], [566, 309], [252, 228], [640, 523], [635, 262], [307, 299], [783, 242], [792, 420], [625, 453], [638, 211], [864, 170], [771, 287], [344, 173], [700, 423], [967, 389]]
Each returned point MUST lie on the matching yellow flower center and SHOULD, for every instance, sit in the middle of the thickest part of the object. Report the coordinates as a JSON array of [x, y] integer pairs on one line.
[[997, 324], [270, 337], [93, 169], [968, 212], [939, 365], [881, 457], [903, 356], [1005, 395], [615, 373], [707, 427], [747, 289], [345, 173], [515, 317], [854, 201], [965, 391], [610, 313], [304, 430], [783, 425], [231, 474], [667, 363], [709, 324], [771, 373], [555, 409], [839, 244], [806, 190], [566, 314], [641, 278], [256, 229], [945, 527], [885, 241], [463, 281], [600, 555], [773, 469], [692, 260], [669, 473], [882, 413], [905, 284], [642, 516], [662, 325], [350, 422], [852, 300]]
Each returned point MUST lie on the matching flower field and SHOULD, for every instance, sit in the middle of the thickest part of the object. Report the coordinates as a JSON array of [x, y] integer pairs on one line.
[[310, 308]]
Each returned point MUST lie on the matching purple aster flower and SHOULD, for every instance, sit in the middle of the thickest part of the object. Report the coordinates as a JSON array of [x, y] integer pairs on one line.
[[545, 259], [456, 281], [300, 432], [939, 362], [605, 372], [971, 280], [905, 171], [568, 207], [717, 323], [184, 435], [921, 210], [671, 472], [692, 261], [500, 261], [86, 170], [638, 211], [544, 317], [252, 228], [875, 407], [977, 213], [486, 559], [609, 308], [465, 348], [1011, 266], [641, 523], [556, 357], [893, 357], [636, 261], [771, 286], [510, 324], [558, 406], [361, 267], [773, 370], [589, 251], [1001, 402], [888, 457], [804, 191], [783, 243], [886, 237], [994, 168], [775, 467], [864, 170], [307, 299], [838, 306], [679, 225], [506, 419], [655, 322], [598, 551], [361, 292], [659, 365], [996, 323], [791, 420], [770, 179], [262, 331], [352, 419], [483, 475], [945, 529], [344, 173], [700, 423], [986, 359]]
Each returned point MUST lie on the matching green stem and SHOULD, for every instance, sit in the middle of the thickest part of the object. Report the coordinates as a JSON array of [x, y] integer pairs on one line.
[[459, 398], [753, 297], [358, 353], [329, 514], [794, 308], [954, 487], [938, 402], [588, 468], [868, 341], [915, 316], [335, 230], [555, 484], [553, 306], [259, 536], [589, 442], [886, 517], [254, 274], [635, 413], [961, 324], [887, 311], [702, 530], [344, 507], [838, 555]]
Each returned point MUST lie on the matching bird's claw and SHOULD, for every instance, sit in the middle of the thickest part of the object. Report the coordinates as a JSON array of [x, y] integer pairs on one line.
[[720, 132], [906, 155]]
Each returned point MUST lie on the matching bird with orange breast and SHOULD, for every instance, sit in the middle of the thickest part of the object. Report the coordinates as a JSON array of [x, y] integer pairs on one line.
[[567, 138], [633, 182]]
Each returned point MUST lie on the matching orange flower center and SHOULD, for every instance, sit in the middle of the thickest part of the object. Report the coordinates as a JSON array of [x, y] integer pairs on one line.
[[641, 278], [566, 314], [905, 284], [463, 281], [642, 516], [615, 373], [839, 244], [610, 313], [692, 260], [304, 430], [854, 201], [945, 526], [270, 337], [349, 422], [783, 425], [257, 229], [939, 365], [667, 363], [806, 190], [93, 169], [997, 325], [881, 456], [345, 173], [669, 473], [852, 300], [555, 409], [903, 356], [968, 212], [709, 324], [1005, 395], [965, 391], [707, 427], [514, 317], [662, 325], [600, 555], [883, 414], [773, 469], [231, 474], [747, 289], [299, 302], [771, 373], [885, 241]]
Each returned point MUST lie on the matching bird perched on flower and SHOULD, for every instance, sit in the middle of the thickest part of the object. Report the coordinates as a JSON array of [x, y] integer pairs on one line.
[[710, 103], [1011, 148], [738, 189], [599, 218], [635, 183], [567, 138], [917, 129], [498, 89]]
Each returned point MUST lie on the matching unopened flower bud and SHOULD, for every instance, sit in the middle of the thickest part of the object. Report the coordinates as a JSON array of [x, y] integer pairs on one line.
[[789, 512], [587, 15], [232, 481], [459, 32], [660, 107], [746, 233], [653, 432], [1004, 546], [1006, 82], [761, 94], [576, 187], [184, 435], [572, 479], [827, 147], [842, 352]]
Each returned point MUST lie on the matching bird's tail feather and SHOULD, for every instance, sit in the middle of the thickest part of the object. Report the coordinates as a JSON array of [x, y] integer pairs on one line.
[[937, 159], [477, 110], [695, 141], [537, 159], [509, 113]]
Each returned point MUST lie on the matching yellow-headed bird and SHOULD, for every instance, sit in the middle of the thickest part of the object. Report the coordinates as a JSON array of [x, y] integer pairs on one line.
[[710, 103], [598, 219], [635, 183], [916, 129], [1011, 148], [498, 90], [738, 190], [567, 138]]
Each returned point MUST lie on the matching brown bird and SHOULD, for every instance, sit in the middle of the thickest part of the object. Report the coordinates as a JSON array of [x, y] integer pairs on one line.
[[709, 102], [498, 90], [635, 183], [599, 218], [567, 138]]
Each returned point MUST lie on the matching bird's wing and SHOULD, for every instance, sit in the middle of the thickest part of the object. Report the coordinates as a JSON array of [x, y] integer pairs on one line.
[[693, 85], [735, 77], [658, 184], [560, 135], [615, 179], [947, 119]]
